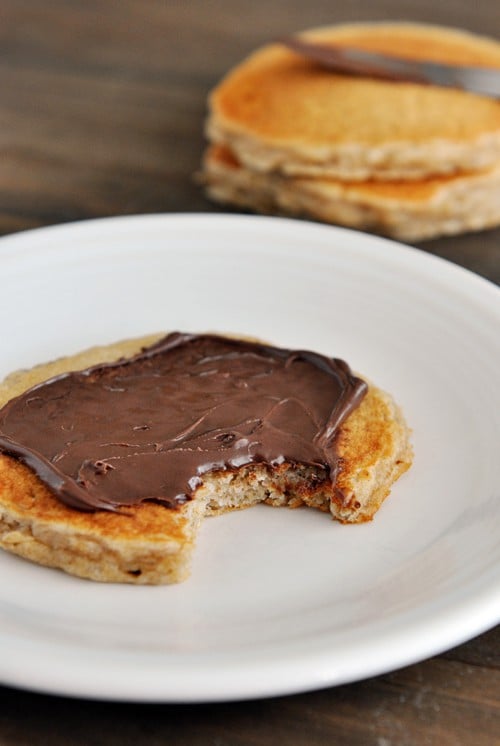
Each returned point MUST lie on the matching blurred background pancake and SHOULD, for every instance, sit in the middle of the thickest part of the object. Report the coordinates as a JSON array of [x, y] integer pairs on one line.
[[411, 161], [280, 111], [406, 210]]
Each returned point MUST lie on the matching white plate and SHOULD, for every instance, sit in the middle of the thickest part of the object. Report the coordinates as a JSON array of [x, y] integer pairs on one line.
[[279, 601]]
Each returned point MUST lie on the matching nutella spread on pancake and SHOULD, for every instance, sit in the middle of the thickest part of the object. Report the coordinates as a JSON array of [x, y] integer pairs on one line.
[[149, 427]]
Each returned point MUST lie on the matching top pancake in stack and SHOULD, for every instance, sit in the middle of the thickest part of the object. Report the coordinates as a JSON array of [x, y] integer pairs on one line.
[[284, 116]]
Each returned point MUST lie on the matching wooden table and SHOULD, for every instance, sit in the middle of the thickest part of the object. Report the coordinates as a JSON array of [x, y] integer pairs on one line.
[[101, 111]]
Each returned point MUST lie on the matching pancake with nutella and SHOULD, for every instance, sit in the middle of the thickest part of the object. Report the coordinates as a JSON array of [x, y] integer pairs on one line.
[[110, 459], [278, 111]]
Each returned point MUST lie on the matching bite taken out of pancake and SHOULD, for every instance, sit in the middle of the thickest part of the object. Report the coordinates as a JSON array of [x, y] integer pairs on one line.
[[150, 542]]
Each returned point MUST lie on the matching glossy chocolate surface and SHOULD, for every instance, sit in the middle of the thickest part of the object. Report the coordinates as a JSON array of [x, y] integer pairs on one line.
[[150, 427]]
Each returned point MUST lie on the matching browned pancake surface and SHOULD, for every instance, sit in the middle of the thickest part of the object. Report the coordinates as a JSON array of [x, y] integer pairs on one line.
[[277, 95]]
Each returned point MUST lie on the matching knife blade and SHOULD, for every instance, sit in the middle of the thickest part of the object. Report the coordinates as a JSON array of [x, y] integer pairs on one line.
[[360, 62]]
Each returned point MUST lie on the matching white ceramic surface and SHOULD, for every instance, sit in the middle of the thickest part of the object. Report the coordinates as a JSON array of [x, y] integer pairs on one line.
[[279, 601]]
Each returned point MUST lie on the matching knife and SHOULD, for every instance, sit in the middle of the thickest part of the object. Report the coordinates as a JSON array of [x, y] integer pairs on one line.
[[353, 61]]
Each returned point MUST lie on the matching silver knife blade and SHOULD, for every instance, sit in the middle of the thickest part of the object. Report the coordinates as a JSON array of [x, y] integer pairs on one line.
[[354, 61]]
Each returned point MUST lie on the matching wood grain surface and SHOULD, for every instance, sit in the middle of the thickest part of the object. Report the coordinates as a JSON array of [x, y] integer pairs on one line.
[[102, 105]]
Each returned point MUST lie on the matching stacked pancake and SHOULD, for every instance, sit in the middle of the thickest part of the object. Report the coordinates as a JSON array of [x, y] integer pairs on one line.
[[412, 161]]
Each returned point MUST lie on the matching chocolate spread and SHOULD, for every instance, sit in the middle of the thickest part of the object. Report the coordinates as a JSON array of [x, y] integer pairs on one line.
[[149, 427]]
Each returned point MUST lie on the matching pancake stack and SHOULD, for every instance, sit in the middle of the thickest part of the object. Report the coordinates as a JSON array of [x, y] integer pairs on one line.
[[411, 161]]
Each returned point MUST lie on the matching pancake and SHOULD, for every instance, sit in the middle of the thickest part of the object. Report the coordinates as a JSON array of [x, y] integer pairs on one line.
[[405, 210], [280, 112], [149, 543]]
